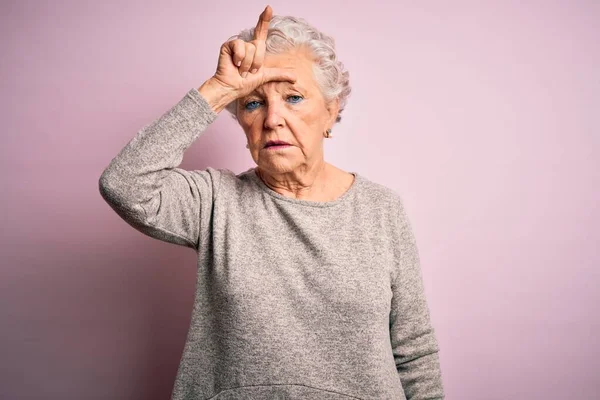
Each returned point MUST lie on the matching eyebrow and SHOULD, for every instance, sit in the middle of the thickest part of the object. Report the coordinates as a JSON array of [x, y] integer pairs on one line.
[[293, 85], [296, 86]]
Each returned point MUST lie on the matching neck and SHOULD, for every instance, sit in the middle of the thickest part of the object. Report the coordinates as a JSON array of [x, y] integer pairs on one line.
[[302, 184]]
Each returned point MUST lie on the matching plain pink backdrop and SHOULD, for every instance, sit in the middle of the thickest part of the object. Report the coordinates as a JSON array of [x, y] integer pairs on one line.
[[483, 115]]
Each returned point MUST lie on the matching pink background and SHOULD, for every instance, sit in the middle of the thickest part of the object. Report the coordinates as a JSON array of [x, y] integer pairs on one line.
[[482, 115]]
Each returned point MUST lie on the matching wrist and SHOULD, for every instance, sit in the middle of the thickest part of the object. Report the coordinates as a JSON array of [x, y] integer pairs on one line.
[[216, 95]]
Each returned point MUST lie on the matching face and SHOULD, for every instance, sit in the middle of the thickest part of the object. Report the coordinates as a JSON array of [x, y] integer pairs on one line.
[[294, 113]]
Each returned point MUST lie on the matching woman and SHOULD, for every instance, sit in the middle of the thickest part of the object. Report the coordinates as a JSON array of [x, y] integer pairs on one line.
[[308, 282]]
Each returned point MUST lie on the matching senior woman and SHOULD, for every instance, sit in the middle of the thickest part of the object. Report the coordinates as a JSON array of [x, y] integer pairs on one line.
[[308, 277]]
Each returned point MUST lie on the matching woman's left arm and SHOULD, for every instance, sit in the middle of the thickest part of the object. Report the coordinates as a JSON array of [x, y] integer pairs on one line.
[[413, 339]]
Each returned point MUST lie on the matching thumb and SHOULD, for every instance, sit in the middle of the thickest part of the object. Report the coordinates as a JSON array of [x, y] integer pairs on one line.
[[278, 74]]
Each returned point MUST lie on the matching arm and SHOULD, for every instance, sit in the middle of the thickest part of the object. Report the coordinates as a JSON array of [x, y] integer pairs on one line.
[[144, 186], [413, 340]]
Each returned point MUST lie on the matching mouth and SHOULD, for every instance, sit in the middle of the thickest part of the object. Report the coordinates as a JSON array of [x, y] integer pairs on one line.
[[276, 144]]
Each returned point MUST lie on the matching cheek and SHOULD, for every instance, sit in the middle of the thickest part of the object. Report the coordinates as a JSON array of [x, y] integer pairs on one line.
[[250, 123], [303, 122], [310, 113]]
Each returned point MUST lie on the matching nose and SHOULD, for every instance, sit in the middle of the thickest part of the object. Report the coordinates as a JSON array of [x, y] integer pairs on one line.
[[273, 119]]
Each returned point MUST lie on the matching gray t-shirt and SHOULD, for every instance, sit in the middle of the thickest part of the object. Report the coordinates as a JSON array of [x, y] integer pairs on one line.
[[295, 299]]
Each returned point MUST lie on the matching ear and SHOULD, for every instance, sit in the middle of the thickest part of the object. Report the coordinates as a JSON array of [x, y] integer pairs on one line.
[[333, 109]]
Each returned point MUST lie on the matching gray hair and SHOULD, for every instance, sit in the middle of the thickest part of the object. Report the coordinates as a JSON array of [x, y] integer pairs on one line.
[[286, 33]]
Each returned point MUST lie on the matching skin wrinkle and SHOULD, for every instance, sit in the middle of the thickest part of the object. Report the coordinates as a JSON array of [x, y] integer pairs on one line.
[[300, 171]]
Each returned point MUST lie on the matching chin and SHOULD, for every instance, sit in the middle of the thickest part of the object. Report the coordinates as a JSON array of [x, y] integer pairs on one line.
[[279, 166]]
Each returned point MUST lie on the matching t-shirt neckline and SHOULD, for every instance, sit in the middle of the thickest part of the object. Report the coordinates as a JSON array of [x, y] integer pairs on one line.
[[340, 199]]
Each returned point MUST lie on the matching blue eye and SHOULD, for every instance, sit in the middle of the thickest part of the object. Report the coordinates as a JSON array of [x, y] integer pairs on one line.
[[252, 105], [247, 106]]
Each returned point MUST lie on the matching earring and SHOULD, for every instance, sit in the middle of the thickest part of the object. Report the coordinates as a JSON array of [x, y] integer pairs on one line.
[[328, 133], [247, 146]]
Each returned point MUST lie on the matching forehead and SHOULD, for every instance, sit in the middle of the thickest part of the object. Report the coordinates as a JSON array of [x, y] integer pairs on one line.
[[297, 60], [296, 57]]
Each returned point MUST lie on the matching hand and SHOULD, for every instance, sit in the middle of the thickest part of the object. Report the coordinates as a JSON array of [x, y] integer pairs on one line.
[[238, 59]]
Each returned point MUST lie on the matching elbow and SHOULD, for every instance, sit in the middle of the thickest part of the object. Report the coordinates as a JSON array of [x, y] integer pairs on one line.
[[106, 185], [112, 187], [117, 195], [418, 345]]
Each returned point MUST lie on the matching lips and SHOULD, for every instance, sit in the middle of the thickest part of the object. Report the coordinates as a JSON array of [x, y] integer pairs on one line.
[[275, 143]]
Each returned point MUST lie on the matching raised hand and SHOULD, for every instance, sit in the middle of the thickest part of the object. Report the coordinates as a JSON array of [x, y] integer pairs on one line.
[[240, 70]]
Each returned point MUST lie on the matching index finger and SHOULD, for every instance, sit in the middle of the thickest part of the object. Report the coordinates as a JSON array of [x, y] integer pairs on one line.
[[262, 27]]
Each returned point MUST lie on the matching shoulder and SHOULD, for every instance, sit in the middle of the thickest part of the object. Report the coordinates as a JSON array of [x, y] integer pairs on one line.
[[390, 204], [379, 193], [217, 180], [227, 182], [224, 175]]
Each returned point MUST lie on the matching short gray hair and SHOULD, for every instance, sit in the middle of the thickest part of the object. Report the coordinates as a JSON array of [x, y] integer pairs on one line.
[[286, 33]]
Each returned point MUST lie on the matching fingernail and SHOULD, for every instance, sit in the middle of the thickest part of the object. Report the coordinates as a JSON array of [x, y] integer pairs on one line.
[[239, 63], [244, 74], [254, 70]]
